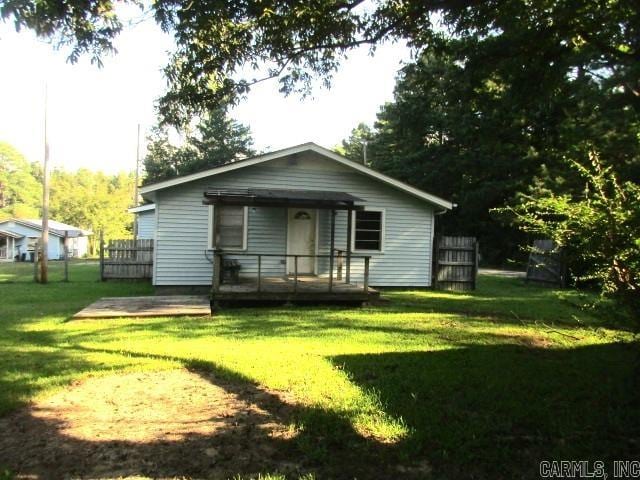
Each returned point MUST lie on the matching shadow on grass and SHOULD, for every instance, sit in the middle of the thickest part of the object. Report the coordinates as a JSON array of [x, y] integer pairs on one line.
[[497, 411], [324, 443], [473, 412]]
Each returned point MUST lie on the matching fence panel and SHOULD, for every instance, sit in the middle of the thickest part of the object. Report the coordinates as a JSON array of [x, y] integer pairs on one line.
[[546, 264], [456, 263], [126, 259]]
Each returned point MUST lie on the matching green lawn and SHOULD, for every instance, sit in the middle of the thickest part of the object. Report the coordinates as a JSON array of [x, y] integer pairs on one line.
[[481, 385]]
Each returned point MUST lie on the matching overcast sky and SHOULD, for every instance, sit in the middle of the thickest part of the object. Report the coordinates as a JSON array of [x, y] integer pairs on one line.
[[93, 113]]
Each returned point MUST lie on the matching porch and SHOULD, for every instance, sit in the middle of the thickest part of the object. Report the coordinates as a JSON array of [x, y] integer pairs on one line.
[[302, 272], [8, 245], [304, 288]]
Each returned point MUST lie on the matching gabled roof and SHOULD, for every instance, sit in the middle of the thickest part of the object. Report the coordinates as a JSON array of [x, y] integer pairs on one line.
[[305, 147], [55, 228], [142, 208]]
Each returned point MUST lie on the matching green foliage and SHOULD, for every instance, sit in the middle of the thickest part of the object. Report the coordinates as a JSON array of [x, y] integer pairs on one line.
[[87, 27], [90, 200], [20, 192], [354, 146], [6, 474], [217, 140], [93, 200], [599, 227], [529, 44], [472, 129]]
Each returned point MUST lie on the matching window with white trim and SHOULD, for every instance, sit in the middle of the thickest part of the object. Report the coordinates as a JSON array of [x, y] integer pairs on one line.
[[231, 233], [368, 231]]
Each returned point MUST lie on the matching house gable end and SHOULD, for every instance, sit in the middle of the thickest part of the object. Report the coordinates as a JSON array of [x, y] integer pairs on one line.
[[309, 156]]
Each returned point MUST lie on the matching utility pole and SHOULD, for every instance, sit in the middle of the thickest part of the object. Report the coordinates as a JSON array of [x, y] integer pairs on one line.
[[44, 244], [135, 187], [364, 152]]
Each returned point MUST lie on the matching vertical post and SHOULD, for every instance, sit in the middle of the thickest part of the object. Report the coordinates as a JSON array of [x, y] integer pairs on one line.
[[217, 271], [216, 222], [36, 255], [101, 256], [475, 262], [295, 274], [135, 187], [340, 264], [366, 275], [45, 199], [259, 272], [332, 248], [436, 261], [349, 234], [66, 255]]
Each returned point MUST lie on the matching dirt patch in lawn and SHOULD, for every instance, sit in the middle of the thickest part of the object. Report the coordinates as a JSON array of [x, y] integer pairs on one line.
[[531, 341], [153, 424]]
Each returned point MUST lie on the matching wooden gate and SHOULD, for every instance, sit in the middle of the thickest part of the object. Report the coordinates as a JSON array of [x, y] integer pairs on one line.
[[456, 263], [126, 259], [546, 264]]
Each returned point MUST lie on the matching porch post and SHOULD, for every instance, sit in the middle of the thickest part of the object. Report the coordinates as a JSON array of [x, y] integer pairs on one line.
[[349, 228], [217, 260], [66, 255], [332, 248]]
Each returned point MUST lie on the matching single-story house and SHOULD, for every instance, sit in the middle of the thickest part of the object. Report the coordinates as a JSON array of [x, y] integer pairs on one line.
[[145, 221], [290, 206], [18, 239]]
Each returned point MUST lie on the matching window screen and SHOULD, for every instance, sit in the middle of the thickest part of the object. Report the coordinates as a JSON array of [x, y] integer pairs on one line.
[[368, 230], [230, 232]]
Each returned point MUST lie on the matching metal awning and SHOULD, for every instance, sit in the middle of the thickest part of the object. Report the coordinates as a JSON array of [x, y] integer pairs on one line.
[[267, 197], [6, 233]]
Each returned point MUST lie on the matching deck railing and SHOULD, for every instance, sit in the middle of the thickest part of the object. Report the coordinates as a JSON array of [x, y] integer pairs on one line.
[[218, 263]]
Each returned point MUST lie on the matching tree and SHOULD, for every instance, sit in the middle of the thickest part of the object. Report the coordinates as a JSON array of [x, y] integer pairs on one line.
[[464, 132], [218, 139], [598, 227], [355, 146], [20, 192], [94, 201], [454, 134], [298, 41]]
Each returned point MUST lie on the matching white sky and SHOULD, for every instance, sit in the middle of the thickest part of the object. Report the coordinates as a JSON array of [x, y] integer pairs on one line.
[[93, 113]]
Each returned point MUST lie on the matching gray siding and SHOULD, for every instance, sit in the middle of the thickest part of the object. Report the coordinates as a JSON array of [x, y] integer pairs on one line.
[[146, 224], [182, 228]]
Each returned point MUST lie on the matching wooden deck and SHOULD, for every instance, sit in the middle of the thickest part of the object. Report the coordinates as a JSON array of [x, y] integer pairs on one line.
[[159, 306], [306, 289]]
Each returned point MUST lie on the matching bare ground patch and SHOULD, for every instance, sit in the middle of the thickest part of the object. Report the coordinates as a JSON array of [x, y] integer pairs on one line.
[[155, 424]]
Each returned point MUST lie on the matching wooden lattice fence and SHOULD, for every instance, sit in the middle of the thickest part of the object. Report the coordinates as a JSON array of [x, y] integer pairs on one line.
[[456, 263], [126, 259], [546, 264]]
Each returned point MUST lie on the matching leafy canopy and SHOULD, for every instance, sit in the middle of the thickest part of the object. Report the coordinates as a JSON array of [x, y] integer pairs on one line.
[[20, 191], [223, 47], [90, 200], [599, 227], [217, 139]]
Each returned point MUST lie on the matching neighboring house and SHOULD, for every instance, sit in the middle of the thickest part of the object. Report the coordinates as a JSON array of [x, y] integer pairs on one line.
[[145, 219], [391, 221], [18, 238]]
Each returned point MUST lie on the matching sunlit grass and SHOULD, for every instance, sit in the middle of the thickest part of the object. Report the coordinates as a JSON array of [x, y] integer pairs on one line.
[[429, 371]]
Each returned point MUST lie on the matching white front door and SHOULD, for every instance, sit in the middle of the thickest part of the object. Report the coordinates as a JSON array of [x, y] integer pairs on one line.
[[301, 239]]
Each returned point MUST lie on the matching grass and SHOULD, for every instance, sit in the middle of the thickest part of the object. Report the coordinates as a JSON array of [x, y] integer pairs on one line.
[[484, 384]]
